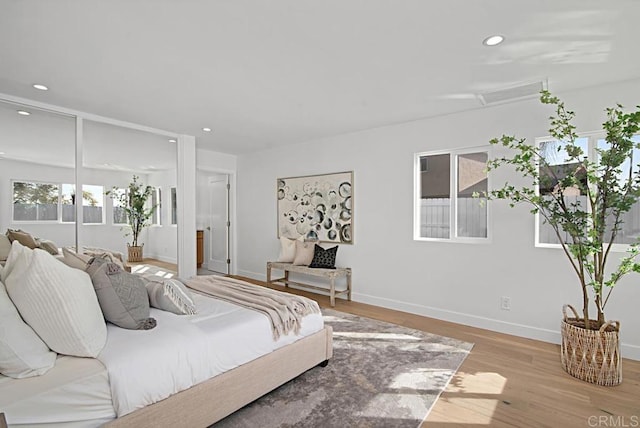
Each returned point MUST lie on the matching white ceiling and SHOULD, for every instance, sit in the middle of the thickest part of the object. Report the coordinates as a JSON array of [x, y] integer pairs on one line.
[[268, 73]]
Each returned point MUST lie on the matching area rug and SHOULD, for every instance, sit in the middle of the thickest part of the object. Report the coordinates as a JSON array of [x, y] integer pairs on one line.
[[381, 375]]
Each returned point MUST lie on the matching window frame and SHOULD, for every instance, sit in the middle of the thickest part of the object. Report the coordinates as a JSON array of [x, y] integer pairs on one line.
[[59, 209], [453, 195], [173, 209], [592, 144], [157, 193]]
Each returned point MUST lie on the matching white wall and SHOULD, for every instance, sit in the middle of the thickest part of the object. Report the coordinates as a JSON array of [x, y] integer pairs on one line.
[[456, 282], [216, 161]]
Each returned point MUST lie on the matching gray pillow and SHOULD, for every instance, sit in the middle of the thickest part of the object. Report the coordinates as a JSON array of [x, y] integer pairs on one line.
[[122, 295], [49, 246]]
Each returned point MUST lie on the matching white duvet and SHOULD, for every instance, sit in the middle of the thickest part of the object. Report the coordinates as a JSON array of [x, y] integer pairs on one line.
[[146, 366]]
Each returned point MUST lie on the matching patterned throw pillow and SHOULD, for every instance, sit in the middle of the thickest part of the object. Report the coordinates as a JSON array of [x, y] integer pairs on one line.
[[322, 258], [122, 295]]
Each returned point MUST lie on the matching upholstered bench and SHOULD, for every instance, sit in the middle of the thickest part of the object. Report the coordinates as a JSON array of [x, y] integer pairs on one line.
[[330, 274]]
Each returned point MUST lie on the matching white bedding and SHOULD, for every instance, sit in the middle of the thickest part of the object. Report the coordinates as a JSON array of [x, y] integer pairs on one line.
[[194, 348], [74, 393]]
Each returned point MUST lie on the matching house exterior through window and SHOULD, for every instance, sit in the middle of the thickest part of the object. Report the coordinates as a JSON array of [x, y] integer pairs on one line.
[[445, 206]]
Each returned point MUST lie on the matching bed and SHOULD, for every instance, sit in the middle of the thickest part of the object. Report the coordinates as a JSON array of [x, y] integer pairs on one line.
[[226, 355]]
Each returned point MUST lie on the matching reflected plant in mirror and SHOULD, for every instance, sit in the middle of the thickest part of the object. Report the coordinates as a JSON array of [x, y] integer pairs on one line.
[[135, 206]]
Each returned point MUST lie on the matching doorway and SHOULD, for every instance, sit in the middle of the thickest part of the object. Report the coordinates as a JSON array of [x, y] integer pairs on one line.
[[214, 219]]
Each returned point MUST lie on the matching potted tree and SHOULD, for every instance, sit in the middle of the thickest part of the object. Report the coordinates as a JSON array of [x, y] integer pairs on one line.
[[134, 203], [584, 202]]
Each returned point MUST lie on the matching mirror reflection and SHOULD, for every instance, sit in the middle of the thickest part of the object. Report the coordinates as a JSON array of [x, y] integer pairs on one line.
[[37, 166], [38, 193], [126, 174]]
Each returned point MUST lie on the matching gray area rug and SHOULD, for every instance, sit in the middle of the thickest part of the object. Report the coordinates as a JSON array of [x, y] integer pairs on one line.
[[381, 375]]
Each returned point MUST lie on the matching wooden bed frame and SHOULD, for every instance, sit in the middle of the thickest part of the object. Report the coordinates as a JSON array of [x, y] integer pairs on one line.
[[216, 398]]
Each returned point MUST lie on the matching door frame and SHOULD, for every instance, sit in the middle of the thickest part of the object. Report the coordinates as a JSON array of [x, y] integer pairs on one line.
[[233, 248]]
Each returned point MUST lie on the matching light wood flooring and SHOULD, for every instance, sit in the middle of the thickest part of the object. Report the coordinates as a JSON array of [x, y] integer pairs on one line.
[[508, 381], [164, 265]]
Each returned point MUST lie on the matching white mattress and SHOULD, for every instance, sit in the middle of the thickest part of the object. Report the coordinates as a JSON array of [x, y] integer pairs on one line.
[[189, 349], [74, 393], [77, 392]]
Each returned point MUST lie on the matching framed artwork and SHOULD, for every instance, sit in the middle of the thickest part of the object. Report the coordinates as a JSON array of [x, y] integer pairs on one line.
[[316, 207]]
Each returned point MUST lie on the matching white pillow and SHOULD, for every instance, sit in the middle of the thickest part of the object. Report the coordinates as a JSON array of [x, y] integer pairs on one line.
[[57, 301], [304, 253], [287, 250], [22, 352], [17, 262]]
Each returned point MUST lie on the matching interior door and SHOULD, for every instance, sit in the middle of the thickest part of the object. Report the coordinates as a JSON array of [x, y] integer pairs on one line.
[[219, 233]]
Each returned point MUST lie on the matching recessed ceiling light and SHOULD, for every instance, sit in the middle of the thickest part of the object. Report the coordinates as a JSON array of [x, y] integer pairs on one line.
[[493, 40], [173, 140], [40, 87], [206, 129], [23, 112]]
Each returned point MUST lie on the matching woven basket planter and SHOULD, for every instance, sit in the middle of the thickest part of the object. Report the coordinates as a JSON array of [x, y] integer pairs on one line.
[[591, 355], [134, 253]]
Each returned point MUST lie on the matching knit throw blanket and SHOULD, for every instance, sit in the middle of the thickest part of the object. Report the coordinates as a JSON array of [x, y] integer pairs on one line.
[[285, 311]]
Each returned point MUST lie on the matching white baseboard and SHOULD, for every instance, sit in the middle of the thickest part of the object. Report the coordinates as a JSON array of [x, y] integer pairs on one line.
[[161, 258], [253, 275], [551, 336]]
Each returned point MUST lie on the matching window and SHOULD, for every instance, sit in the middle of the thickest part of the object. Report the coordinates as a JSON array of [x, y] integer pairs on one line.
[[68, 203], [174, 206], [92, 204], [119, 200], [552, 151], [156, 201], [35, 201], [445, 206], [56, 202]]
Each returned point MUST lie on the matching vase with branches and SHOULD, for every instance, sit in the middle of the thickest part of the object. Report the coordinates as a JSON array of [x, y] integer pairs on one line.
[[607, 185]]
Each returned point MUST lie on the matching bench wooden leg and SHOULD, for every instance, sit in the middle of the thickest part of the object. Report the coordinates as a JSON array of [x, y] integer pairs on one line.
[[349, 286], [268, 274], [286, 278], [332, 292]]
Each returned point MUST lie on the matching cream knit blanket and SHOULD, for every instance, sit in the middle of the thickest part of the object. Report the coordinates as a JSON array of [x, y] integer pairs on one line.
[[285, 311]]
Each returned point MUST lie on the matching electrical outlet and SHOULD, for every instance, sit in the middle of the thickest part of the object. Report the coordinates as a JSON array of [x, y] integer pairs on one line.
[[505, 303]]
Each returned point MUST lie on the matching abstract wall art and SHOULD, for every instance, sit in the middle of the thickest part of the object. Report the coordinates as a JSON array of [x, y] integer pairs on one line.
[[316, 207]]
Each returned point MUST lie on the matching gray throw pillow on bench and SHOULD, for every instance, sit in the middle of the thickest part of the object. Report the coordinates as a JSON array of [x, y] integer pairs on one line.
[[122, 296]]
